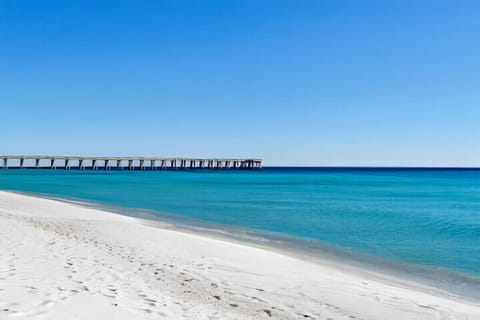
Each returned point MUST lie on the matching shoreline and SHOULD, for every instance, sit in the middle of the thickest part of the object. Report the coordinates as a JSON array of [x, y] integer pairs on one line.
[[249, 281], [448, 282]]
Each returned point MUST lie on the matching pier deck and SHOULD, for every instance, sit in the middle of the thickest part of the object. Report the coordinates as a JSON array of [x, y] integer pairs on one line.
[[124, 163]]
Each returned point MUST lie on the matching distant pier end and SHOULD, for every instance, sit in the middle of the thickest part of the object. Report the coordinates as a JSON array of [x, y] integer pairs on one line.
[[124, 163]]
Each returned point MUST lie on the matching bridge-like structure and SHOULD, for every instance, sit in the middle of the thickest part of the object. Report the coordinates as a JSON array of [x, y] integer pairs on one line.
[[124, 163]]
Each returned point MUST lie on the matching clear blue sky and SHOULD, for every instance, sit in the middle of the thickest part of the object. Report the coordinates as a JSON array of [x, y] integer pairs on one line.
[[293, 82]]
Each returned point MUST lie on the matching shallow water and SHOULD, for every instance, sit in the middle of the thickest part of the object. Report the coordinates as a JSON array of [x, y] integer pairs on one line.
[[429, 217]]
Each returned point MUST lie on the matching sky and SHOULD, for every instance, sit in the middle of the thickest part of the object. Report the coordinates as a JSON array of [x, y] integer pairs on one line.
[[326, 83]]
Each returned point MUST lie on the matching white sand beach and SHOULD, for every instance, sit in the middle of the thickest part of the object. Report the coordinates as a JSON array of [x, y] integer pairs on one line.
[[60, 260]]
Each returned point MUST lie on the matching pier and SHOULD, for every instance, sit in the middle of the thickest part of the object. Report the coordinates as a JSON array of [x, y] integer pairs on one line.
[[125, 163]]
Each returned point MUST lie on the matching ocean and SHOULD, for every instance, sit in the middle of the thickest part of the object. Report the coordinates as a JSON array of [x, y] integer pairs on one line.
[[421, 217]]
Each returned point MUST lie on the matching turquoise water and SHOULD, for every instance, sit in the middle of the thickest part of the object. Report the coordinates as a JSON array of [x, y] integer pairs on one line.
[[426, 217]]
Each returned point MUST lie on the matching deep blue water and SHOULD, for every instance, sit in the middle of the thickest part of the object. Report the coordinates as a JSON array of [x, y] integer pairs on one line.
[[423, 216]]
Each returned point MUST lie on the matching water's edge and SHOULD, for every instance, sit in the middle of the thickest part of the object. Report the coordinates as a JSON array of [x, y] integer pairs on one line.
[[449, 282]]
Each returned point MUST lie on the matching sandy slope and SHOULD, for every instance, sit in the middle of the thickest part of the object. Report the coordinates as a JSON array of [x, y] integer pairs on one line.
[[63, 261]]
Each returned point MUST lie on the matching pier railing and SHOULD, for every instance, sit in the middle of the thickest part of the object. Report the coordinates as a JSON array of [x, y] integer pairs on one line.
[[124, 163]]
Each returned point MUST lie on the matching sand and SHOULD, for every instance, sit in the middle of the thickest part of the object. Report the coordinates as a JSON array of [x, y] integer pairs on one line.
[[62, 260]]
